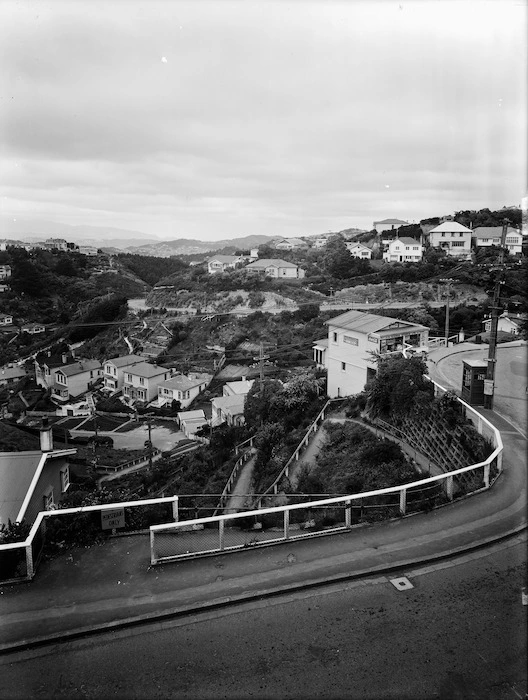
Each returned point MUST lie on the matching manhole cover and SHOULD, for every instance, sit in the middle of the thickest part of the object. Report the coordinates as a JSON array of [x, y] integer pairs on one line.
[[401, 584]]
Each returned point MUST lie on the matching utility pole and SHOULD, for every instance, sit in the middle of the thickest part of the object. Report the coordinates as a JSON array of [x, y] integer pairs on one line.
[[260, 360], [489, 383], [448, 282], [148, 443]]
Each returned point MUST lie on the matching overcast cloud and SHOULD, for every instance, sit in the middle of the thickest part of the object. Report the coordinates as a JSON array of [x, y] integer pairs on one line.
[[221, 119]]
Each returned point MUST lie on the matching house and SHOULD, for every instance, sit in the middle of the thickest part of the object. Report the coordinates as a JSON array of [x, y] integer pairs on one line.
[[57, 243], [290, 244], [240, 388], [141, 381], [352, 338], [3, 287], [388, 225], [89, 250], [358, 250], [11, 375], [33, 328], [228, 409], [75, 379], [320, 242], [5, 272], [221, 263], [507, 323], [191, 422], [33, 480], [404, 250], [6, 320], [319, 352], [485, 236], [114, 371], [273, 267], [182, 388], [453, 238]]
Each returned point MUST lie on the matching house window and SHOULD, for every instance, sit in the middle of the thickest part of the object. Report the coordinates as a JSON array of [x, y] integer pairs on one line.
[[343, 367], [128, 377], [334, 337], [65, 479], [350, 340], [126, 391], [49, 503], [443, 234], [142, 381]]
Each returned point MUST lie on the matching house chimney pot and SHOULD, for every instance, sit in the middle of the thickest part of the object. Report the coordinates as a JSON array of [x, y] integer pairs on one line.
[[46, 436]]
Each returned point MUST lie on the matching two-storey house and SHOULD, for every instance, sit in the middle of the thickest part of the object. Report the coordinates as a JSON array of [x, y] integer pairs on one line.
[[486, 236], [75, 379], [388, 225], [141, 381], [453, 238], [354, 338], [273, 267], [182, 388], [114, 371], [404, 250]]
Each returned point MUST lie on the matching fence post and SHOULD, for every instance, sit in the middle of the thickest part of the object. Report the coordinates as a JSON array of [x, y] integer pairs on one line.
[[29, 562], [449, 487], [403, 501], [152, 553], [221, 525], [487, 475], [175, 513], [286, 524], [348, 514]]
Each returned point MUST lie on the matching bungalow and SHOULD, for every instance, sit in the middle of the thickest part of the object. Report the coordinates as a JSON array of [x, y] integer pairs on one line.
[[485, 236], [141, 381], [290, 244], [354, 338], [6, 320], [182, 388], [33, 328], [33, 480], [75, 379], [507, 323], [388, 225], [114, 371], [89, 250], [272, 267], [240, 388], [404, 250], [11, 375], [191, 422], [358, 250], [453, 238], [228, 409], [221, 263]]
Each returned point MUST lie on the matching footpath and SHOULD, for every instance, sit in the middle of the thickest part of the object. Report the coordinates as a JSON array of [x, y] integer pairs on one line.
[[102, 588]]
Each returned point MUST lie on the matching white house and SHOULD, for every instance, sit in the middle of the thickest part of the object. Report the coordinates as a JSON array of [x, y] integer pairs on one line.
[[75, 379], [6, 320], [221, 263], [5, 272], [141, 381], [404, 250], [290, 244], [352, 337], [33, 328], [273, 267], [182, 388], [191, 422], [358, 250], [114, 371], [507, 323], [89, 250], [228, 409], [388, 225], [485, 236], [453, 238], [240, 388]]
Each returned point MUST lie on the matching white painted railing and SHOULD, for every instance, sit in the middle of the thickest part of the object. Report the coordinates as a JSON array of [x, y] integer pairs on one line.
[[222, 533]]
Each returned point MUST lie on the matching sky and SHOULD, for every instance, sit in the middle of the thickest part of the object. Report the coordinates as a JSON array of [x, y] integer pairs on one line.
[[221, 119]]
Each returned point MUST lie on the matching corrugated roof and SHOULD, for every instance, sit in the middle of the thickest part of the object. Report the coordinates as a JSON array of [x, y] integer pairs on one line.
[[391, 221], [191, 415], [242, 387], [409, 241], [450, 226], [269, 262], [17, 470], [492, 231], [80, 367], [368, 323], [225, 258], [230, 404], [125, 361], [12, 373], [146, 370]]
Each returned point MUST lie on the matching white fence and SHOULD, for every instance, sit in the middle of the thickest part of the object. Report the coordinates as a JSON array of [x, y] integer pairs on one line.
[[19, 560], [267, 526]]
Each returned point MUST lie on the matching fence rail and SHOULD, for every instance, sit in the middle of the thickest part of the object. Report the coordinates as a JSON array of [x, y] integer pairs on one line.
[[267, 526]]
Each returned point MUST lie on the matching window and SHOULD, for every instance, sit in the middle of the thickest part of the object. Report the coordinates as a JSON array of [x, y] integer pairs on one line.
[[443, 234], [458, 244], [142, 381], [334, 337], [65, 479], [128, 377], [372, 339], [343, 367], [350, 340], [415, 247], [460, 234], [49, 503]]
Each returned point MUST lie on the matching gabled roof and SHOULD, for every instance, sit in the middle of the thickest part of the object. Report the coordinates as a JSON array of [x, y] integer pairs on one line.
[[225, 258], [492, 232], [146, 370], [191, 415], [449, 226], [79, 367], [369, 323], [233, 405], [406, 240], [392, 221], [184, 383], [263, 263], [125, 361], [241, 387], [12, 373]]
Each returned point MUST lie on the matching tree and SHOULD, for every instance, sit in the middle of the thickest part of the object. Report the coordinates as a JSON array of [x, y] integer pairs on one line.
[[337, 259], [399, 388]]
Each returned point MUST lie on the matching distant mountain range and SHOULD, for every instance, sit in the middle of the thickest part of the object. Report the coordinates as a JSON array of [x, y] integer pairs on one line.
[[185, 246]]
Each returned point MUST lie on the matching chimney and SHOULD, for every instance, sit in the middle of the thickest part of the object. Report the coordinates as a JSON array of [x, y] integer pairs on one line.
[[64, 358], [46, 436]]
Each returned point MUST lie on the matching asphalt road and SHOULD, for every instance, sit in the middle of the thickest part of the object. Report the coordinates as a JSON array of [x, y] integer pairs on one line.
[[460, 632]]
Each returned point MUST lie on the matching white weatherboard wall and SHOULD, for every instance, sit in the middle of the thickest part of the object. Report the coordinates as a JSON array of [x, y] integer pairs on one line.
[[347, 362]]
